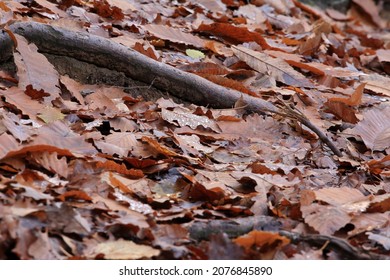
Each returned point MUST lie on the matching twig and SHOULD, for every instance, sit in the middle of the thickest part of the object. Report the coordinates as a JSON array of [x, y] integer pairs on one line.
[[299, 116]]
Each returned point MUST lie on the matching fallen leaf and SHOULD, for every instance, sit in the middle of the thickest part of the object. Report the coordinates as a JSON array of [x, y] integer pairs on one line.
[[374, 129], [123, 250], [275, 67]]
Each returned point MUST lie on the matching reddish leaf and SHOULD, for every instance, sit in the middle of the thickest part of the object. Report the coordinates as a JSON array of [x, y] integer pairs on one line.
[[74, 195], [233, 34], [120, 168]]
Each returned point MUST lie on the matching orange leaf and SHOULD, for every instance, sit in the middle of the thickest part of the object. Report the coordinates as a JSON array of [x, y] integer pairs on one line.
[[205, 68], [110, 165], [229, 83], [260, 239], [158, 147], [75, 195], [233, 34], [342, 111], [354, 100]]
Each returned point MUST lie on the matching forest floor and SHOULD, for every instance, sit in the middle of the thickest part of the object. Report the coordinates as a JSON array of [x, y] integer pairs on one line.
[[95, 165]]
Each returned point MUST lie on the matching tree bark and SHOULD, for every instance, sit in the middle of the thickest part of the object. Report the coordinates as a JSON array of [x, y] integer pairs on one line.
[[108, 54]]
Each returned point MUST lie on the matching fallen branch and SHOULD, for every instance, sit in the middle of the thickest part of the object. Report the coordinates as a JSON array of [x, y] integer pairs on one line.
[[111, 55], [240, 226]]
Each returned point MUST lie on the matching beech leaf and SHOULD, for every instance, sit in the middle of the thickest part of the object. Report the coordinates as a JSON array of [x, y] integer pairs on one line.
[[274, 67]]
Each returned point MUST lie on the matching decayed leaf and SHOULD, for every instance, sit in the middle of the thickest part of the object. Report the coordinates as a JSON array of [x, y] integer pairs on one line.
[[336, 15], [374, 129], [275, 67], [380, 86], [123, 250], [184, 117], [34, 69]]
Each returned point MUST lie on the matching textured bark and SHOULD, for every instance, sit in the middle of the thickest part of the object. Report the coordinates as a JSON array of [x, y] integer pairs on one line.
[[108, 54], [105, 53]]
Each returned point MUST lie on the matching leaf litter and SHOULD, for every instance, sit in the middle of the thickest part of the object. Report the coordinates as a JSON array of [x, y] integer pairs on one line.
[[89, 172]]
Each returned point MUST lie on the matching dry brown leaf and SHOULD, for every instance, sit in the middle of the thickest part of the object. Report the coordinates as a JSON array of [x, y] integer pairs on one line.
[[350, 200], [336, 15], [296, 61], [174, 35], [184, 117], [51, 162], [123, 250], [74, 87], [229, 83], [354, 100], [380, 203], [7, 144], [149, 52], [99, 100], [191, 144], [24, 103], [51, 114], [34, 69], [110, 165], [205, 68], [75, 195], [374, 129], [233, 34], [6, 14], [266, 242], [342, 111], [275, 67], [368, 222], [159, 148], [58, 135], [371, 9], [377, 166], [13, 125], [325, 219]]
